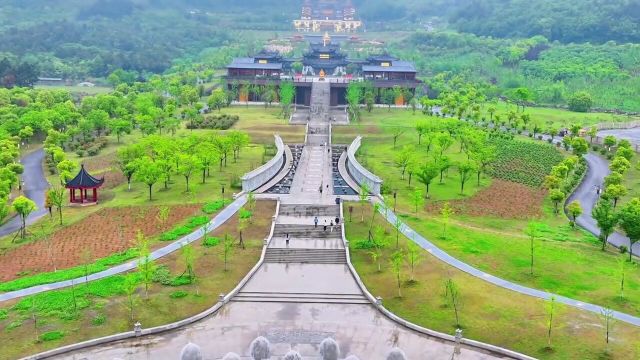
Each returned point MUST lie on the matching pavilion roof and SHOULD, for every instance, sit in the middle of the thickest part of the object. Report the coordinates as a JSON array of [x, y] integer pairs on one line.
[[84, 180]]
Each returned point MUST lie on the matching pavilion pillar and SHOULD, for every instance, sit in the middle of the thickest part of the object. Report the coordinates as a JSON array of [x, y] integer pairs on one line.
[[95, 195], [70, 195], [81, 196]]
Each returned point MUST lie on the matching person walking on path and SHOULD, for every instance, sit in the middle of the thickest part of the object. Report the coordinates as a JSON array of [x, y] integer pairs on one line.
[[315, 222], [287, 240], [331, 226], [337, 220], [325, 226]]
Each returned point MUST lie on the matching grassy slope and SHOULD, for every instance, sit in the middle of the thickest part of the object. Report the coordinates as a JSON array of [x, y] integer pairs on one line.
[[568, 262], [108, 301], [488, 313]]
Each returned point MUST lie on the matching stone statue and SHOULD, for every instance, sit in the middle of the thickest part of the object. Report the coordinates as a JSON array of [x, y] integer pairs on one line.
[[231, 356], [396, 354], [260, 349], [329, 349], [292, 355], [191, 352]]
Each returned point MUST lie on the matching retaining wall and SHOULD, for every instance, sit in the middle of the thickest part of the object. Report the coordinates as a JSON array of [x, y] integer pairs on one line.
[[358, 172], [260, 176]]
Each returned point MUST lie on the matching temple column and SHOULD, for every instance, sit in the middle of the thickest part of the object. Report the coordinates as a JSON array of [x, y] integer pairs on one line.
[[95, 195], [81, 196]]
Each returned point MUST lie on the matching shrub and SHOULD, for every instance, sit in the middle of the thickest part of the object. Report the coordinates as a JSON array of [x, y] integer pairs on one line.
[[215, 122], [245, 214], [180, 281], [52, 335], [236, 183], [540, 137], [609, 156], [623, 249], [603, 151], [197, 221], [178, 294], [210, 241], [363, 244], [162, 275], [213, 207], [14, 324], [98, 320], [3, 314]]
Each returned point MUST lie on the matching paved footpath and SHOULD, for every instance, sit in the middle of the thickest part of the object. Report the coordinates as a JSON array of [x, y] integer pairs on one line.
[[218, 220], [35, 186]]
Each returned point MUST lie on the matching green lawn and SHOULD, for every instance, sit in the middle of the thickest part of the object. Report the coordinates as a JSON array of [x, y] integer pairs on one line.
[[559, 118], [488, 313], [262, 124]]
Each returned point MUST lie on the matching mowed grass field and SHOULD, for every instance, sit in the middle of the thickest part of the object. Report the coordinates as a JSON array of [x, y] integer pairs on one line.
[[487, 313], [102, 305]]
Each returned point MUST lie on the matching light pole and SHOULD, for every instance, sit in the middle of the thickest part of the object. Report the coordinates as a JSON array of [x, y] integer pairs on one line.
[[223, 194]]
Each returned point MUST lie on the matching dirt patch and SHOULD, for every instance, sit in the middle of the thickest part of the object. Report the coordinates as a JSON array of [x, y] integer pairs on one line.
[[106, 232], [112, 178], [504, 199], [99, 163]]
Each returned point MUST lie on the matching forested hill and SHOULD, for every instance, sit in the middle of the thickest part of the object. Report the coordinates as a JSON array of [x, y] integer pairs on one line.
[[596, 21]]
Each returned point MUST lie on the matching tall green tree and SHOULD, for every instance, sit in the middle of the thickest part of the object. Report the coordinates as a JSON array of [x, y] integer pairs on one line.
[[23, 207], [630, 222], [148, 172], [606, 218]]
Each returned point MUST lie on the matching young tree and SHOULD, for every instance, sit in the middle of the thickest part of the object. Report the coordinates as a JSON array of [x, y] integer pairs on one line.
[[120, 127], [397, 132], [452, 297], [188, 258], [580, 146], [465, 171], [218, 99], [397, 226], [187, 164], [146, 265], [551, 309], [397, 259], [426, 174], [533, 230], [483, 156], [622, 269], [445, 213], [363, 196], [620, 165], [423, 128], [376, 254], [575, 210], [287, 94], [227, 250], [130, 288], [606, 218], [57, 198], [610, 141], [126, 160], [607, 320], [148, 172], [86, 257], [66, 170], [23, 207], [615, 192], [557, 197], [630, 222], [414, 257], [242, 225], [593, 132], [417, 200]]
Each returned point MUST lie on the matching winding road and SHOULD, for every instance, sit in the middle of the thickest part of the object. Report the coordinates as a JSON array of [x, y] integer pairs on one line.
[[597, 170], [35, 186]]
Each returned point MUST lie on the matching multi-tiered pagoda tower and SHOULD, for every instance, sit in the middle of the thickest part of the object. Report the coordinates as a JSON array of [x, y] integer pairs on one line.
[[328, 15]]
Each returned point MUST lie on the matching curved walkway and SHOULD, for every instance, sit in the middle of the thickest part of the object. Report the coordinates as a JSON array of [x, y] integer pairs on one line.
[[35, 186], [391, 217], [218, 220], [597, 170]]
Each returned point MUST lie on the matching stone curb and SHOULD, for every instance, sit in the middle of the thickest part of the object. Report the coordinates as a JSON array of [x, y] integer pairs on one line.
[[258, 177], [358, 172]]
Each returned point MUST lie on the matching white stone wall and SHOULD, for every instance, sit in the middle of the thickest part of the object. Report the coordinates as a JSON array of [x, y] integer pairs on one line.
[[260, 176], [358, 172]]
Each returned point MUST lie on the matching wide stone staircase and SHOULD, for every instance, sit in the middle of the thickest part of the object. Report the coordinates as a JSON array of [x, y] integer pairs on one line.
[[332, 211], [306, 232], [301, 298], [306, 256]]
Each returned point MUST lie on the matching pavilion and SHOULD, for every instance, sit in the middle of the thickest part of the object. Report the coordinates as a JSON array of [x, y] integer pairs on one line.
[[84, 182]]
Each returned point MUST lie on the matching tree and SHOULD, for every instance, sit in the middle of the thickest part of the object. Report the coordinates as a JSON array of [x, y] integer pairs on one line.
[[188, 258], [465, 171], [608, 320], [57, 198], [417, 200], [148, 172], [557, 197], [397, 132], [426, 173], [187, 164], [606, 218], [533, 230], [397, 259], [483, 156], [581, 101], [445, 213], [354, 97], [609, 141], [25, 133], [146, 265], [363, 196], [218, 99], [622, 269], [620, 165], [452, 297], [423, 127], [23, 207], [126, 160], [551, 309], [287, 94], [575, 210], [593, 132], [630, 222], [66, 169], [227, 250], [615, 178], [130, 287], [580, 146], [388, 97], [615, 192], [120, 127], [414, 257]]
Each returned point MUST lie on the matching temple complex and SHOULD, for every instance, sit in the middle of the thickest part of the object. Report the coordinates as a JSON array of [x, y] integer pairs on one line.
[[327, 15], [324, 57]]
